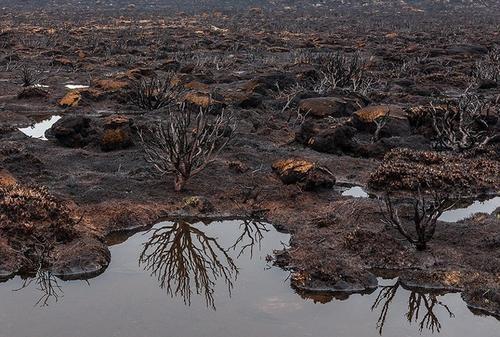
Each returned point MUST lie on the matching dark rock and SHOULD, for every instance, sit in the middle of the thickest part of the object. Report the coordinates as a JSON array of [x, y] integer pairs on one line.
[[487, 84], [319, 178], [73, 131], [396, 124], [321, 107], [117, 133], [198, 203], [250, 100], [337, 140], [271, 81], [384, 145], [304, 173], [32, 92]]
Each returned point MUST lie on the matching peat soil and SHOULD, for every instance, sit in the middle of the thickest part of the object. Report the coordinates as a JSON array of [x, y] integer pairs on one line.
[[249, 61]]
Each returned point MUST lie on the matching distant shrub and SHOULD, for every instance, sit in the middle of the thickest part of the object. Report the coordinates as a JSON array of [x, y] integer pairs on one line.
[[153, 93], [460, 124], [29, 76], [489, 67], [339, 70]]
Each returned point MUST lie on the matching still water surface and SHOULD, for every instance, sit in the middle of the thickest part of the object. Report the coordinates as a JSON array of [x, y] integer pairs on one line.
[[197, 280], [38, 130]]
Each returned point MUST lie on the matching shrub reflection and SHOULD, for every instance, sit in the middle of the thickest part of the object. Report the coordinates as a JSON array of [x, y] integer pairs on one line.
[[422, 308]]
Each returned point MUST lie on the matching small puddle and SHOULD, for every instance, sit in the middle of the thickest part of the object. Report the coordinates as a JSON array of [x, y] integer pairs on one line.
[[169, 281], [76, 86], [458, 214], [356, 192], [38, 130]]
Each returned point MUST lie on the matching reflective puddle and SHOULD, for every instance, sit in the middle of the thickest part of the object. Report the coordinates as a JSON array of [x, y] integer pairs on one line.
[[356, 192], [37, 130], [194, 280], [75, 86], [488, 206]]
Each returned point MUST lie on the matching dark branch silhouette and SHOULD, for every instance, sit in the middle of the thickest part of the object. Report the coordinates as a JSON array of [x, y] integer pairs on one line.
[[180, 255], [252, 234], [384, 297], [47, 284], [416, 302], [426, 212]]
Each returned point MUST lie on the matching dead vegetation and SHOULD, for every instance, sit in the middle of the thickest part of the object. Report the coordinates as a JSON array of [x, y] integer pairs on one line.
[[461, 124], [46, 284], [186, 141], [153, 93], [404, 169], [486, 71], [29, 76], [343, 71], [35, 222], [422, 308], [417, 227], [409, 65], [181, 256]]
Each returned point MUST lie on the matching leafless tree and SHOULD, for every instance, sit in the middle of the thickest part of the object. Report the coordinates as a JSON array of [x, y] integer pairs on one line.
[[181, 255], [186, 142], [425, 214], [153, 93], [416, 302], [459, 125]]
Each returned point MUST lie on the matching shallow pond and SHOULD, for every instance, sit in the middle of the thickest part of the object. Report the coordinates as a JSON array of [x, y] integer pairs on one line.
[[194, 280], [38, 130]]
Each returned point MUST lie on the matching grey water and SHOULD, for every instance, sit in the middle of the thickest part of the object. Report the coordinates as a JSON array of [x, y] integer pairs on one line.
[[206, 280], [487, 206], [356, 192], [38, 130]]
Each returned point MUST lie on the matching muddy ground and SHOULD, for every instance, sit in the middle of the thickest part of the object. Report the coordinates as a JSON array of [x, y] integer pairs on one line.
[[248, 60]]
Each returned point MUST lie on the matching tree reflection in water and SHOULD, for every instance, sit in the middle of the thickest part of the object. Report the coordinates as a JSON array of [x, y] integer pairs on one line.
[[417, 301], [47, 284], [252, 233], [185, 260]]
